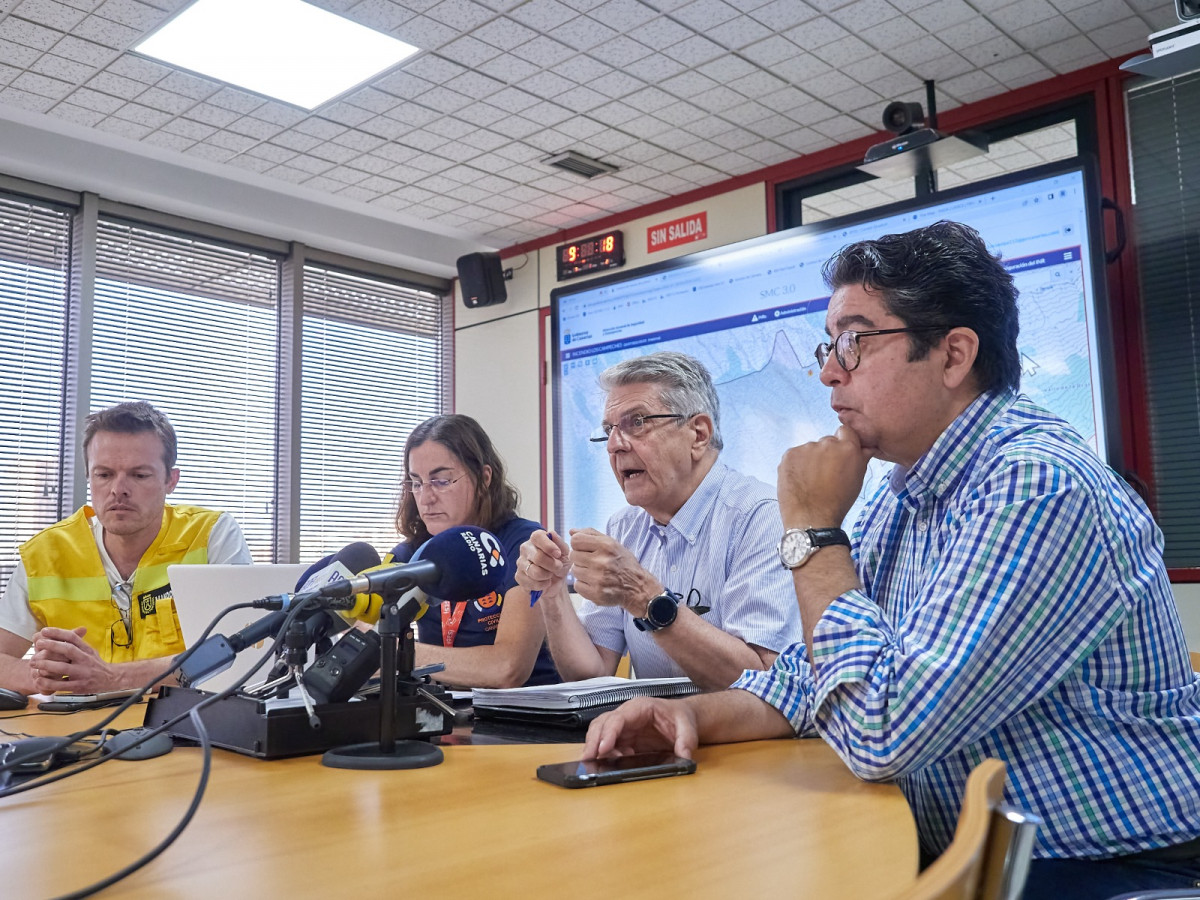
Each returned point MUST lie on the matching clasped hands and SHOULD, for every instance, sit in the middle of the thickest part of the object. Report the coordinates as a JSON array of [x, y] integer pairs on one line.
[[605, 571], [63, 661]]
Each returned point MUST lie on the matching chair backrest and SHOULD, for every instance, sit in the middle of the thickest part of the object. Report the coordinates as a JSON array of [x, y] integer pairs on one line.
[[1195, 662], [989, 856]]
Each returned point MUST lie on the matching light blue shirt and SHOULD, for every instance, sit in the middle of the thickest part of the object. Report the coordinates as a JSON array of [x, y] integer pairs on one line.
[[1016, 606], [723, 546]]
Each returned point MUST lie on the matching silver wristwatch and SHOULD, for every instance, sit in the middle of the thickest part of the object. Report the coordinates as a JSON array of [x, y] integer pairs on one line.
[[799, 544]]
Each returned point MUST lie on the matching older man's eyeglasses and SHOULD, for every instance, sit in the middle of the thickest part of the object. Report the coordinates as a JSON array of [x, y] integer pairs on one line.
[[632, 426], [437, 485], [845, 346]]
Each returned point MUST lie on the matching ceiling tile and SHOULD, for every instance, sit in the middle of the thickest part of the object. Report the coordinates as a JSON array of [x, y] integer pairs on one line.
[[543, 51], [64, 69], [129, 12], [143, 115], [1120, 37], [944, 13], [97, 100], [509, 69], [863, 13], [505, 33], [702, 15], [1023, 12], [209, 114], [583, 33], [1100, 14], [426, 33], [433, 68], [738, 33], [28, 34], [382, 15], [54, 15], [621, 51], [654, 68], [177, 143], [995, 50], [899, 32], [42, 85], [89, 52], [25, 100], [128, 129], [198, 131], [818, 32], [77, 114], [469, 51], [1050, 31], [189, 85]]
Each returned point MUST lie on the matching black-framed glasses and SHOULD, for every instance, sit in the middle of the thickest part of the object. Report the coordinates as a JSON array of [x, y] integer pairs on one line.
[[437, 485], [845, 346], [120, 633], [633, 425]]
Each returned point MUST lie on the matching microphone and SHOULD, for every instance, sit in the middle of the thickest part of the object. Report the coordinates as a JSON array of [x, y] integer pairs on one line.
[[459, 564], [326, 575], [217, 652]]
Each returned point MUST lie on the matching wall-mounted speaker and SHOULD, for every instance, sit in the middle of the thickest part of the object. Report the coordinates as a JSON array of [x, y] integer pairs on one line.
[[481, 279]]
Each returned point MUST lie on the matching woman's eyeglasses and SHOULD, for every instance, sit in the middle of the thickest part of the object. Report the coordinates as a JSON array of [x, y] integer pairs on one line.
[[437, 485]]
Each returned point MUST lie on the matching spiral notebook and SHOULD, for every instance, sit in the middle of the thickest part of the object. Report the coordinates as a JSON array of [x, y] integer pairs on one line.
[[580, 695]]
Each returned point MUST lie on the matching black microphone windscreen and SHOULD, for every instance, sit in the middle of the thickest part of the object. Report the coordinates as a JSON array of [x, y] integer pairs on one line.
[[470, 561]]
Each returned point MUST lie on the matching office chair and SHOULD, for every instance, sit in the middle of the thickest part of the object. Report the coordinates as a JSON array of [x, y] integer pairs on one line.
[[989, 856]]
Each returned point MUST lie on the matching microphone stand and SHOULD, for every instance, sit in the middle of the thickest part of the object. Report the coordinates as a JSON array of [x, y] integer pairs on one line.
[[397, 657]]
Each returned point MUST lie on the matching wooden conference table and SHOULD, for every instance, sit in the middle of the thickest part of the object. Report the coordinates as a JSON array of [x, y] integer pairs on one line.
[[771, 817]]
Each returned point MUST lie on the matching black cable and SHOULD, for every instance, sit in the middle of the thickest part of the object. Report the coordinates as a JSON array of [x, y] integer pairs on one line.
[[166, 842], [201, 732], [49, 778], [138, 695]]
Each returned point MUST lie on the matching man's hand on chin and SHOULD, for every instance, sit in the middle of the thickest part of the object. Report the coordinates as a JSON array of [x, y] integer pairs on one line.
[[819, 481]]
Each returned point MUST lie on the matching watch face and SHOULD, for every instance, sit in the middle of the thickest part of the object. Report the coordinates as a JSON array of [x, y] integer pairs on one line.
[[661, 611], [795, 547]]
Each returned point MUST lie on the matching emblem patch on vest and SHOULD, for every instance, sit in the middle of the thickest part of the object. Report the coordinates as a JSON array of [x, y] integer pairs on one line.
[[148, 602]]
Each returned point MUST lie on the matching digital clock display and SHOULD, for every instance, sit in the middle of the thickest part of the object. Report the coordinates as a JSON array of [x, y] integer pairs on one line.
[[604, 251]]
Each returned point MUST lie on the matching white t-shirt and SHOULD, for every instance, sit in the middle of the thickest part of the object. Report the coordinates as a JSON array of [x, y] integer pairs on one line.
[[225, 545]]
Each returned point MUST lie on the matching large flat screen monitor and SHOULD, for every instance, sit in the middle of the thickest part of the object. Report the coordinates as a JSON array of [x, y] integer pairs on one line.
[[754, 311]]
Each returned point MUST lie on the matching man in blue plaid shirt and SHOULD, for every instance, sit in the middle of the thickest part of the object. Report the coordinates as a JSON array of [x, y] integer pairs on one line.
[[1005, 595]]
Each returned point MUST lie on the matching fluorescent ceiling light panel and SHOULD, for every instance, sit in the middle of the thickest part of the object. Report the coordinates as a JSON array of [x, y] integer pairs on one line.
[[286, 49]]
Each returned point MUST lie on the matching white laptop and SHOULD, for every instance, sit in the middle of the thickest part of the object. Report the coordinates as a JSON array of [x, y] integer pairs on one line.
[[202, 592]]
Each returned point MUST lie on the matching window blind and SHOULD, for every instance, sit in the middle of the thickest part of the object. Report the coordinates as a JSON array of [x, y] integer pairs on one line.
[[34, 253], [372, 360], [190, 325], [1164, 131]]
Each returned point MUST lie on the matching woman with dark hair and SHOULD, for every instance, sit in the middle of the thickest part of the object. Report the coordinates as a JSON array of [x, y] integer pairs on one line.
[[454, 476]]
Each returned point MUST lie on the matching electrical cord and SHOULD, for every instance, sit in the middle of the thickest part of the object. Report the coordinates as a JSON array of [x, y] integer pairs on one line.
[[202, 733], [140, 693], [183, 823]]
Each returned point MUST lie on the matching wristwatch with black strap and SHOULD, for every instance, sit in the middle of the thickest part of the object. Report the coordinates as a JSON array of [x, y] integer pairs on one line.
[[660, 612], [799, 544]]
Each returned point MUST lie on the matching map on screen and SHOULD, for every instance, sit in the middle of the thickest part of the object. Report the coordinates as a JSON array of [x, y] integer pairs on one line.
[[754, 312]]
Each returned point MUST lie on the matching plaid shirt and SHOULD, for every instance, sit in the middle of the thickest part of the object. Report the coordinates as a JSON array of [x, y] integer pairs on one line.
[[1015, 605]]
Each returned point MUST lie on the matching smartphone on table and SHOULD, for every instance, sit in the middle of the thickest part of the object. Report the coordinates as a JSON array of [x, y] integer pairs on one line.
[[636, 767], [67, 702]]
